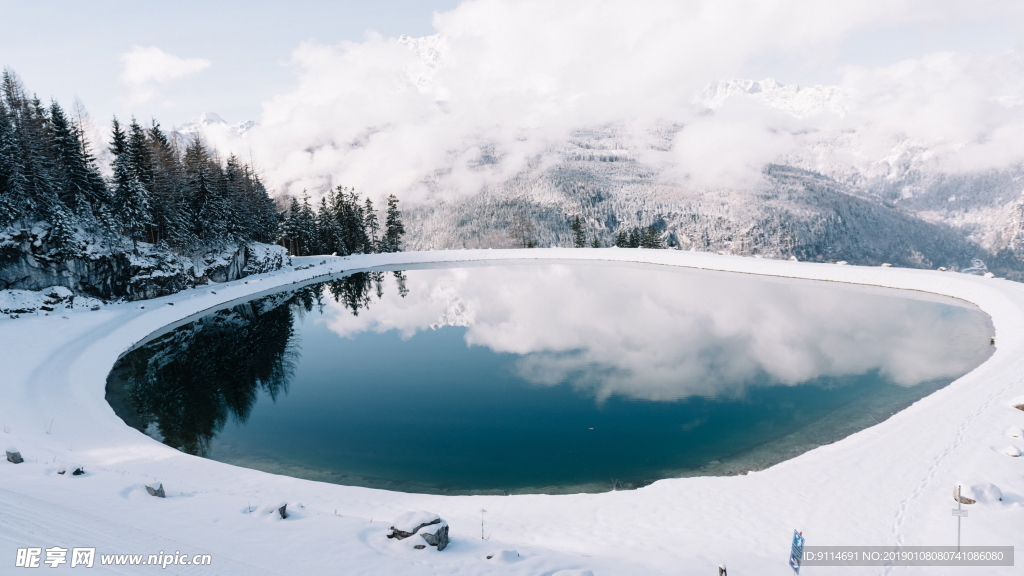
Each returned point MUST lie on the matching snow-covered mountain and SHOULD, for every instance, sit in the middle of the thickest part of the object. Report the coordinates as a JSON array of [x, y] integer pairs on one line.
[[211, 122]]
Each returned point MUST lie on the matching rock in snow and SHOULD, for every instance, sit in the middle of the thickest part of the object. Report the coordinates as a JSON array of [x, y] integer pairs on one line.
[[13, 456], [973, 492], [428, 525], [156, 489], [503, 556], [1014, 432], [1011, 451], [76, 469]]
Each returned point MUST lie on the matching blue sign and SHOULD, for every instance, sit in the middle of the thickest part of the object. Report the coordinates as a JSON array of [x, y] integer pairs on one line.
[[796, 553]]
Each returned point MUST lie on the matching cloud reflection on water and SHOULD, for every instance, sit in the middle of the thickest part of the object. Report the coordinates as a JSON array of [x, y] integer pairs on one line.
[[662, 334]]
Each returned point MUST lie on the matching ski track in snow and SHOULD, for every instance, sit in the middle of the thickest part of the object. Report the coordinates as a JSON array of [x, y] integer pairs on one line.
[[893, 474]]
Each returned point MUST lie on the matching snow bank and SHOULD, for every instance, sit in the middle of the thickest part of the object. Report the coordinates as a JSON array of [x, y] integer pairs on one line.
[[53, 299]]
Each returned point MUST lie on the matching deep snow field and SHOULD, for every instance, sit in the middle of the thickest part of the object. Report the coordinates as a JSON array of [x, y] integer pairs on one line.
[[890, 484]]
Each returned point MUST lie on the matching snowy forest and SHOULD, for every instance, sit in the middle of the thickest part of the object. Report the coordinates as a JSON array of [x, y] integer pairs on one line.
[[158, 193], [169, 213]]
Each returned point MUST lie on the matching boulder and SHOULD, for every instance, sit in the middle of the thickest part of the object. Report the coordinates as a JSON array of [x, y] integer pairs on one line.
[[1014, 432], [156, 489], [1011, 451], [428, 525], [13, 456]]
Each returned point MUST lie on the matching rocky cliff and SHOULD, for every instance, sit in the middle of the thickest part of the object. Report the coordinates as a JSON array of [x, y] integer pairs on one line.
[[29, 261]]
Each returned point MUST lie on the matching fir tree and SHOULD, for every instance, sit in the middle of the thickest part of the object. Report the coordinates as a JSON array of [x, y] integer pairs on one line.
[[579, 236], [371, 227], [651, 238], [622, 239], [329, 235], [394, 229]]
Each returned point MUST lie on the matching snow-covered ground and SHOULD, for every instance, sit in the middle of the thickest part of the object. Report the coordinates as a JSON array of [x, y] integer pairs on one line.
[[887, 485]]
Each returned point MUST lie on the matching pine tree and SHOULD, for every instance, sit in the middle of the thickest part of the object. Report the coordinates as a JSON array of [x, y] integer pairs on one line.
[[328, 231], [70, 169], [32, 185], [371, 226], [634, 238], [203, 189], [651, 238], [394, 229], [168, 203], [13, 200], [288, 232], [579, 236], [622, 239], [131, 199]]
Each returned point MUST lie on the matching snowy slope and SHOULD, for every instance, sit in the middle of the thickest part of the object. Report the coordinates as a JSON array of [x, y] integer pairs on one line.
[[889, 484]]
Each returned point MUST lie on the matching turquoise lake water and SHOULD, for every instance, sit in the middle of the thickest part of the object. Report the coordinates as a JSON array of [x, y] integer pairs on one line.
[[541, 377]]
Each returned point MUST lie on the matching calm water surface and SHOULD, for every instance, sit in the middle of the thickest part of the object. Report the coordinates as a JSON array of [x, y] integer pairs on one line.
[[541, 378]]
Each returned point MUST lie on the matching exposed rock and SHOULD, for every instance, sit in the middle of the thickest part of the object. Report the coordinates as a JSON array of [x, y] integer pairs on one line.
[[428, 525], [76, 469], [283, 510], [27, 262], [156, 489], [13, 456]]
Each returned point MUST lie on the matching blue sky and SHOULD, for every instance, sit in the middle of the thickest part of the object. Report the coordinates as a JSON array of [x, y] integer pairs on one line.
[[68, 49]]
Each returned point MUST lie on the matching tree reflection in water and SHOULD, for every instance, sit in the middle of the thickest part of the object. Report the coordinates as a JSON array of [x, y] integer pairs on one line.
[[184, 386]]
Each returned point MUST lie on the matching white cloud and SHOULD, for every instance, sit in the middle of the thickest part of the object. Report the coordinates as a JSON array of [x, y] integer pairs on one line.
[[389, 115], [144, 68], [639, 338]]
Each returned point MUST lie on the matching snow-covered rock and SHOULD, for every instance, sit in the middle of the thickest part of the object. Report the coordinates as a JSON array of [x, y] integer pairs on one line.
[[974, 492], [156, 489], [428, 525], [1015, 432], [1011, 451], [272, 511], [74, 469], [503, 556]]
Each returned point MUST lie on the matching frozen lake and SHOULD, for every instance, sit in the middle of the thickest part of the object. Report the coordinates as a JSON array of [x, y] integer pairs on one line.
[[541, 377]]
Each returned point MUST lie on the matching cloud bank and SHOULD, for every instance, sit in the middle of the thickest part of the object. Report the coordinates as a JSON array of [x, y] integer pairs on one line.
[[507, 79], [660, 335]]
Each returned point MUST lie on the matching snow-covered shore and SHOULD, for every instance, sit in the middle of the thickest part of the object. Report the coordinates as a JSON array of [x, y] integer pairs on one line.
[[887, 485]]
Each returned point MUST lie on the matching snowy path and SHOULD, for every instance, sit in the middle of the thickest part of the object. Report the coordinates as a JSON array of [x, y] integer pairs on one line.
[[890, 484]]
